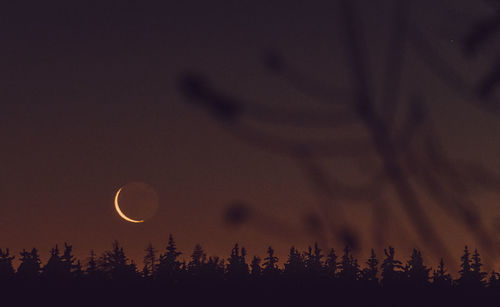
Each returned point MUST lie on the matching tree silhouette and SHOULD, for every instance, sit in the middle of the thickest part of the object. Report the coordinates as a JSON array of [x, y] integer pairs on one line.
[[255, 268], [303, 278], [391, 269], [477, 275], [313, 262], [295, 265], [440, 277], [237, 266], [150, 264], [215, 268], [466, 278], [70, 266], [92, 273], [53, 270], [349, 268], [29, 268], [417, 273], [331, 263], [471, 275], [117, 266], [6, 269], [494, 280], [198, 260], [369, 274], [270, 264], [169, 267]]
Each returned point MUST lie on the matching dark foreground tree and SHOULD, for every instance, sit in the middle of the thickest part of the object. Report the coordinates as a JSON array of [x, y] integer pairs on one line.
[[369, 274], [391, 269], [271, 269], [169, 266], [29, 269], [417, 274], [349, 268], [117, 266], [441, 278], [150, 262], [6, 269], [237, 268]]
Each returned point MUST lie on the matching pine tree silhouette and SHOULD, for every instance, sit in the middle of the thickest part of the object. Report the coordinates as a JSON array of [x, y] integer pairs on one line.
[[391, 269], [53, 271], [69, 263], [215, 269], [270, 264], [195, 266], [169, 267], [92, 272], [295, 265], [331, 264], [29, 269], [313, 262], [117, 266], [303, 277], [237, 266], [369, 274], [150, 260], [441, 278], [466, 278], [349, 268], [477, 275], [417, 273], [255, 268], [494, 280], [6, 269]]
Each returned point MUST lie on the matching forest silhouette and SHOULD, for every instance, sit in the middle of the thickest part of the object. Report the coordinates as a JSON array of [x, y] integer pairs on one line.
[[313, 276]]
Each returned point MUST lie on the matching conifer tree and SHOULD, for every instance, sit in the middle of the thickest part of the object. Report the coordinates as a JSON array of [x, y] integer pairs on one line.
[[237, 266], [270, 263], [169, 266], [494, 281], [68, 261], [29, 269], [331, 264], [369, 274], [477, 275], [313, 262], [349, 268], [214, 268], [255, 268], [6, 269], [417, 273], [440, 277], [150, 264], [117, 266], [198, 260], [53, 270], [391, 269], [465, 272], [295, 264], [92, 269]]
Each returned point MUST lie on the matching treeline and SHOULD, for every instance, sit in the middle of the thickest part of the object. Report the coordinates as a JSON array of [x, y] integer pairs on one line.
[[305, 276], [312, 264]]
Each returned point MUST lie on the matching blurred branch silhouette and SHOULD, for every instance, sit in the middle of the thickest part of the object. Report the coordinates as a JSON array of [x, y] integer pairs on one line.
[[408, 157]]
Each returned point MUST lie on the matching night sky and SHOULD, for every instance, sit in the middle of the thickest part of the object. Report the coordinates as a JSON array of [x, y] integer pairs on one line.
[[90, 102]]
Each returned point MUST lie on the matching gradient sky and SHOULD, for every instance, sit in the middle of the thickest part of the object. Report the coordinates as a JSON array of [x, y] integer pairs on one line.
[[89, 103]]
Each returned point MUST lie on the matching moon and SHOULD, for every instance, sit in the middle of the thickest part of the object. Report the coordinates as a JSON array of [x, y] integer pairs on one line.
[[122, 215]]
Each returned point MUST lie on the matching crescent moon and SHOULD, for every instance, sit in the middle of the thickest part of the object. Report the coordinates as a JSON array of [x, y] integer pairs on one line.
[[122, 215]]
